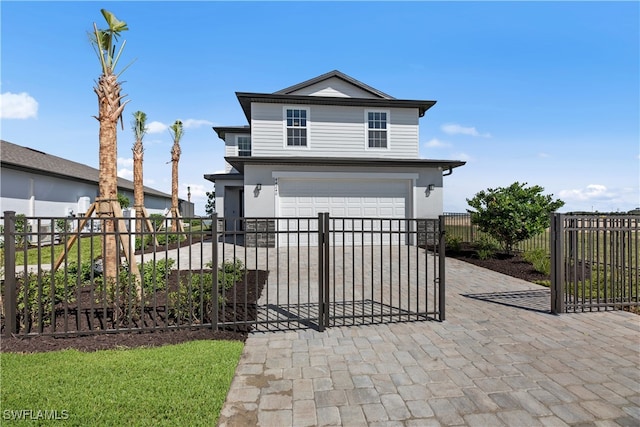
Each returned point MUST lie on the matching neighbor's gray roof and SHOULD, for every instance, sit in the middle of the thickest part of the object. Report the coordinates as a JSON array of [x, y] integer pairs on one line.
[[284, 96], [239, 162], [28, 159]]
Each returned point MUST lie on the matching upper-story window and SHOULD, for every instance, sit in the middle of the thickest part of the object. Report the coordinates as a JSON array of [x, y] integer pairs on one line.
[[377, 129], [244, 146], [296, 125]]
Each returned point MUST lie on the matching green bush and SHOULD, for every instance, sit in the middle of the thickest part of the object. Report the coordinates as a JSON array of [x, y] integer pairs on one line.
[[486, 246], [540, 259], [154, 274], [157, 220], [41, 298], [512, 214], [168, 238], [21, 226], [194, 298], [452, 243]]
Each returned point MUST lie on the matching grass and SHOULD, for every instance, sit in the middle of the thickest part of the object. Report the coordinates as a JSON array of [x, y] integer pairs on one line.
[[42, 255], [90, 248], [184, 384]]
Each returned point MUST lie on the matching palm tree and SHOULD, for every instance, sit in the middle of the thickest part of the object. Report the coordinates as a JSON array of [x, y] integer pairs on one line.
[[139, 125], [176, 131], [110, 108]]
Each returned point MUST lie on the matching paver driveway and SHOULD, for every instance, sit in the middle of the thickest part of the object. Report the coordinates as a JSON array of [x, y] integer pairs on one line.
[[488, 364]]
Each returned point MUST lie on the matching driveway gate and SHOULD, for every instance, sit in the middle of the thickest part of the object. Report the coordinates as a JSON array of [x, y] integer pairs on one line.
[[328, 271]]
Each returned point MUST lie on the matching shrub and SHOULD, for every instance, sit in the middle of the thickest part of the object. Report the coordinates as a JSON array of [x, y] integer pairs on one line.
[[486, 247], [154, 274], [512, 214], [194, 298], [41, 298], [540, 259], [21, 226], [167, 238], [157, 220], [452, 243]]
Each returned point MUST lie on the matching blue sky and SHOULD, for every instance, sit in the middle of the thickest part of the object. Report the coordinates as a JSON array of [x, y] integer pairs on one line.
[[546, 93]]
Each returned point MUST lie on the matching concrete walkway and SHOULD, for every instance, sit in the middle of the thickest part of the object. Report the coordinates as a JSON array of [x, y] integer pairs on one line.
[[495, 361]]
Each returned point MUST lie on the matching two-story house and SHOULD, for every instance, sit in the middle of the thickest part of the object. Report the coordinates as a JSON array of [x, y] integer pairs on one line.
[[329, 144]]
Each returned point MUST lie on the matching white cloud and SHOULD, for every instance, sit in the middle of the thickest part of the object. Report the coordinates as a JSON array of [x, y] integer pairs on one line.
[[125, 173], [462, 156], [543, 155], [159, 127], [195, 123], [456, 129], [197, 190], [156, 127], [436, 143], [18, 106], [590, 192], [125, 162]]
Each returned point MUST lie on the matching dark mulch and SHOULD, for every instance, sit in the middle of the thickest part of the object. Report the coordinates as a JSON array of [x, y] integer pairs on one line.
[[241, 304], [510, 264]]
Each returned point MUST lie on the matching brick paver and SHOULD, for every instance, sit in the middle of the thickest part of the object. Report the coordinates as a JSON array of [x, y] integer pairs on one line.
[[487, 364]]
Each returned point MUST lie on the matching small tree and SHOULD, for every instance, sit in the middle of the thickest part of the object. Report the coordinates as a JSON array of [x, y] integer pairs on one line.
[[139, 126], [176, 130], [210, 207], [123, 200], [512, 214]]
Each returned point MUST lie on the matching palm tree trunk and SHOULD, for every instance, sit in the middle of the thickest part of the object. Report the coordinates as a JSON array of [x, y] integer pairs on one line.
[[175, 159], [109, 110], [138, 188]]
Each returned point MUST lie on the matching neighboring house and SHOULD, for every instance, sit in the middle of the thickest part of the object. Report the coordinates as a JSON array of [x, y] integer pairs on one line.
[[329, 144], [38, 184]]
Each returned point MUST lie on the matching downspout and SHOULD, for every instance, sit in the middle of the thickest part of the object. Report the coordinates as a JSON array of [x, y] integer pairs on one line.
[[449, 172]]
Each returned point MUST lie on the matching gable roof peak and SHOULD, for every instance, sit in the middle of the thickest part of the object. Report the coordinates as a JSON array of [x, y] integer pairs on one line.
[[337, 74]]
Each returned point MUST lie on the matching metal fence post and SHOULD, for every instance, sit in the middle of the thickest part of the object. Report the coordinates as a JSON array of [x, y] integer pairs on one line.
[[557, 264], [327, 258], [10, 302], [441, 268], [321, 270], [214, 271]]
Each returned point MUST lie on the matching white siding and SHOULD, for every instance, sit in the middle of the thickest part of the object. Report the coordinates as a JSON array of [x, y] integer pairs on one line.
[[231, 148], [333, 131], [334, 87]]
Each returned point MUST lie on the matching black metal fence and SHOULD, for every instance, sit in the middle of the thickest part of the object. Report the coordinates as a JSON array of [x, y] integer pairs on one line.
[[238, 274], [595, 262], [458, 226]]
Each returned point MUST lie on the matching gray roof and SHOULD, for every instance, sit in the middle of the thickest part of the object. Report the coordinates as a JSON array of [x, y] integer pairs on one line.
[[284, 96], [239, 162], [213, 177], [222, 130], [339, 75], [28, 159]]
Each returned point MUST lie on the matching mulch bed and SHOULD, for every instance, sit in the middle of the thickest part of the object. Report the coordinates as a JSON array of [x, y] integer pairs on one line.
[[510, 264], [241, 304]]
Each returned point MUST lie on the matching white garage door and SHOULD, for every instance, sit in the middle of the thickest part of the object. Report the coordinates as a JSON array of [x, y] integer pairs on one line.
[[344, 198]]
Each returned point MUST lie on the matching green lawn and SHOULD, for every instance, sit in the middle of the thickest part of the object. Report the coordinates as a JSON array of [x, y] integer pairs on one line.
[[183, 384]]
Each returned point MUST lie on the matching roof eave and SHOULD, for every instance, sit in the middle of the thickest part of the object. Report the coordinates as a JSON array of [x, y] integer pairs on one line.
[[239, 162], [246, 98]]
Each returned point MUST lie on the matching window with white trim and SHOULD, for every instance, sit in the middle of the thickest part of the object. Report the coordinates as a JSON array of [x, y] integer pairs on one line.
[[296, 126], [377, 129], [244, 146]]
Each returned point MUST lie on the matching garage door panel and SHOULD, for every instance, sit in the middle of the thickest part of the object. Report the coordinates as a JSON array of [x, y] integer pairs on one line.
[[344, 198]]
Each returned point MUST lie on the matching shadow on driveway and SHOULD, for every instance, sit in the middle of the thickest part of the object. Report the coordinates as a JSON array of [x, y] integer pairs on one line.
[[534, 300]]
